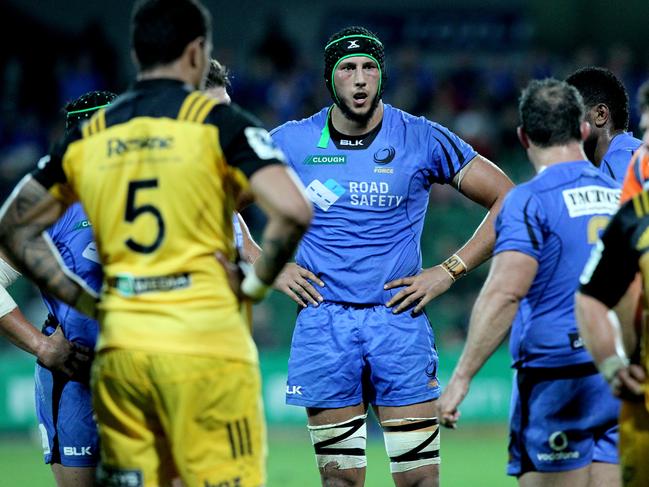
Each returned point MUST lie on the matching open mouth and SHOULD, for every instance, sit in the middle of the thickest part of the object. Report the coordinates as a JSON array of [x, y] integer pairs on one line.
[[359, 98]]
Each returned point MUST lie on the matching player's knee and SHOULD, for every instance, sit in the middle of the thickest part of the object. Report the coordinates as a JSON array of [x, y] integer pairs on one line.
[[411, 443], [340, 446]]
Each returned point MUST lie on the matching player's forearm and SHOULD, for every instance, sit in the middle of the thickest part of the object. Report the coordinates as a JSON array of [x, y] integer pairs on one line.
[[15, 328], [280, 240], [491, 319], [596, 329], [479, 247]]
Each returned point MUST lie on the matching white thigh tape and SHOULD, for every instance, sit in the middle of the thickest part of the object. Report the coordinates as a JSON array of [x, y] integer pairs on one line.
[[342, 444], [411, 443]]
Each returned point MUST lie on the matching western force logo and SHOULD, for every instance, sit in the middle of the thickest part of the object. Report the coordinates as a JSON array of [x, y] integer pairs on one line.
[[353, 45], [324, 195], [385, 155], [325, 160], [591, 200]]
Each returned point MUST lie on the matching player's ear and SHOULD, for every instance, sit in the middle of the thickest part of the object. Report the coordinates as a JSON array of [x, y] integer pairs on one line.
[[194, 52], [600, 114], [522, 137], [584, 129]]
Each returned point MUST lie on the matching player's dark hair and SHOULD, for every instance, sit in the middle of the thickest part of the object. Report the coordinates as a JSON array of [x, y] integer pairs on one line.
[[161, 29], [643, 96], [551, 112], [217, 76], [85, 106], [599, 85]]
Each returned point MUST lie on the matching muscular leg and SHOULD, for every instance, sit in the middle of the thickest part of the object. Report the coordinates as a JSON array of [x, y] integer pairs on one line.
[[426, 475], [332, 473], [73, 476], [572, 478], [605, 475]]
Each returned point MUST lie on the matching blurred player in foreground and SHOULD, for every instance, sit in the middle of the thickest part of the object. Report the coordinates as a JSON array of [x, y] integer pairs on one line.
[[361, 336], [609, 146], [618, 347], [175, 381], [563, 423]]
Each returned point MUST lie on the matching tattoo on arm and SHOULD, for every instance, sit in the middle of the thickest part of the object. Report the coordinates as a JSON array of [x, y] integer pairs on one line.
[[277, 249], [27, 214]]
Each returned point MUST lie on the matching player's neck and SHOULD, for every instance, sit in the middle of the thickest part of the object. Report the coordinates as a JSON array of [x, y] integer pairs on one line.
[[168, 71], [603, 144], [349, 127], [542, 157]]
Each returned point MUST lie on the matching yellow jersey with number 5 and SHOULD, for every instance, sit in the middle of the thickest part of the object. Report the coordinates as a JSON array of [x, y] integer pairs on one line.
[[159, 174]]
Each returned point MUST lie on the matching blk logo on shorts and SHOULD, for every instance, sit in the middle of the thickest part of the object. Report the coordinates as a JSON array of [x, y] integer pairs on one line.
[[293, 390]]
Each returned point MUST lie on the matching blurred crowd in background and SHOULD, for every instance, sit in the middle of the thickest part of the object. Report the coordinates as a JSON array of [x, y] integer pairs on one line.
[[472, 92]]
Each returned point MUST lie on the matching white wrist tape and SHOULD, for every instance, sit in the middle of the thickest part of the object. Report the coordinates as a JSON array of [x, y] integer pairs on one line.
[[610, 366], [253, 287], [7, 274], [7, 304]]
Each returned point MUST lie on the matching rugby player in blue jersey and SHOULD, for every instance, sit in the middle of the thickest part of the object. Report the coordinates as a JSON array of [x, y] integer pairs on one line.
[[609, 146], [368, 168], [563, 420], [64, 406]]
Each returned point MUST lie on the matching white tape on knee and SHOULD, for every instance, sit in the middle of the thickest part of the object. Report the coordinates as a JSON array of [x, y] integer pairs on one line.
[[342, 443], [7, 274], [7, 304], [411, 443]]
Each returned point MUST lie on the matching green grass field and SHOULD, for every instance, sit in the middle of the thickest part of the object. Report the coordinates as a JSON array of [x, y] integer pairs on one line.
[[472, 457]]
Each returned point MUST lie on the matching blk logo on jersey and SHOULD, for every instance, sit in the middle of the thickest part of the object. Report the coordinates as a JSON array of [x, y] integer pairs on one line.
[[351, 143], [324, 195]]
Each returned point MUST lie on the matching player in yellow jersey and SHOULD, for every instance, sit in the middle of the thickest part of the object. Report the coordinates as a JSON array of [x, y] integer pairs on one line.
[[160, 173]]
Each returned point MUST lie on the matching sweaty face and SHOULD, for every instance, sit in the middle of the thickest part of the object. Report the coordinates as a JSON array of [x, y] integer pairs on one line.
[[356, 80]]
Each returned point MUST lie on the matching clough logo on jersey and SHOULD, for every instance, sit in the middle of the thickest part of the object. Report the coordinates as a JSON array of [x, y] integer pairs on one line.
[[372, 193], [119, 146]]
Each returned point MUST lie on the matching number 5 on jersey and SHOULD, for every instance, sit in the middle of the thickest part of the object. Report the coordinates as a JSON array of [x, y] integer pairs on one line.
[[133, 212]]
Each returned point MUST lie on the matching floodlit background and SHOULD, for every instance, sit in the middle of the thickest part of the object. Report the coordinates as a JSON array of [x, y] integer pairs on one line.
[[460, 63]]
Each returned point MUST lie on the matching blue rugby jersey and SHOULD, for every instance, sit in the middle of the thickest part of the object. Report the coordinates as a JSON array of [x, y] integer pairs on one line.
[[556, 218], [369, 204], [72, 235], [618, 156]]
